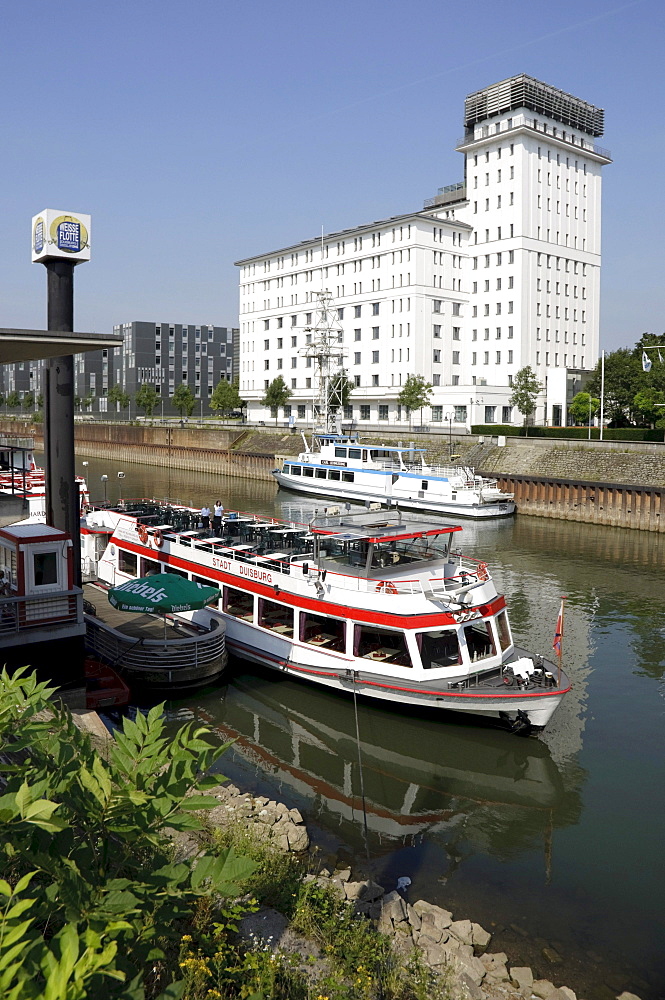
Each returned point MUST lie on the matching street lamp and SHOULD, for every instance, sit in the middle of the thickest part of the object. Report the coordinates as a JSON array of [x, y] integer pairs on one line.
[[121, 476], [105, 480], [449, 417]]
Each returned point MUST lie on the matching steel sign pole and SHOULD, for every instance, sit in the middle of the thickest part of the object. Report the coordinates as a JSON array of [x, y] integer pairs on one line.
[[62, 494]]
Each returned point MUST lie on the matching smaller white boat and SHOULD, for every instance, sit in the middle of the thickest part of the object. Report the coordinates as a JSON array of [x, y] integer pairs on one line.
[[22, 479], [339, 466]]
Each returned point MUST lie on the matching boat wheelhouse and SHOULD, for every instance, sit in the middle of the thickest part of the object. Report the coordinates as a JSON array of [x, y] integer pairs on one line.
[[339, 466], [22, 480], [375, 603]]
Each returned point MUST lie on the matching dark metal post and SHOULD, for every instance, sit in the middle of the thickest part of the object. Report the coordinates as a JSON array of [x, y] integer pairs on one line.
[[62, 494]]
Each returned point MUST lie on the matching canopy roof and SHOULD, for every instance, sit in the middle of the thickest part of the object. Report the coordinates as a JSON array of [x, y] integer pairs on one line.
[[35, 345]]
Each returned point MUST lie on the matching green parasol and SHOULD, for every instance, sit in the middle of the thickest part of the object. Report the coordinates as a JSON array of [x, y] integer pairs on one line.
[[162, 593]]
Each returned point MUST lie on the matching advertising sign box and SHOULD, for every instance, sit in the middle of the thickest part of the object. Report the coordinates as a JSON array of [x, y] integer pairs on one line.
[[64, 235]]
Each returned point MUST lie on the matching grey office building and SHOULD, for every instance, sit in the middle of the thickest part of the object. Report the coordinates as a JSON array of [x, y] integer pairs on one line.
[[163, 355]]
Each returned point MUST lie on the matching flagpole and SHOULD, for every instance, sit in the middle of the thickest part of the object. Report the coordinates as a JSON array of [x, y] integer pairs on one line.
[[602, 394], [560, 657]]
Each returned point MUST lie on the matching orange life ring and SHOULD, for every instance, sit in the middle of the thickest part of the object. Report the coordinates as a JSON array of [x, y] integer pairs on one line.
[[142, 532], [482, 571], [157, 538], [386, 587]]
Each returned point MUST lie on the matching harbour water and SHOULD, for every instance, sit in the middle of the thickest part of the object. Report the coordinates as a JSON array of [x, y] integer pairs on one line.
[[554, 840]]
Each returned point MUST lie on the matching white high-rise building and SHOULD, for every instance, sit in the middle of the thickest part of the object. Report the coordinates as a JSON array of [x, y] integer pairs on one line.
[[496, 272]]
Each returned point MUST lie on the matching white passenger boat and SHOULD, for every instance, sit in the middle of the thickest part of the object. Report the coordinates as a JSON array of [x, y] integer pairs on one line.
[[373, 603], [340, 467], [22, 479]]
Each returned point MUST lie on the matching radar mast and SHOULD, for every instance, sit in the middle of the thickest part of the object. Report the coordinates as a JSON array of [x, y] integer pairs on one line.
[[325, 346]]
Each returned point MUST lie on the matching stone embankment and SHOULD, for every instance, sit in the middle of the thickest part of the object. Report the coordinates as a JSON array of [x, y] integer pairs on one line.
[[457, 949], [609, 482]]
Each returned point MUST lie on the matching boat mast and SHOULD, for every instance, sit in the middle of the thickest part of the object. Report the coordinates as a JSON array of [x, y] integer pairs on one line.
[[325, 346]]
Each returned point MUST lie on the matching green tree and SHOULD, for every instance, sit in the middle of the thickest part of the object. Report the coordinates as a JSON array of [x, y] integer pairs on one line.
[[28, 401], [118, 397], [277, 394], [91, 898], [183, 399], [623, 371], [88, 401], [525, 391], [77, 403], [2, 399], [226, 397], [40, 401], [583, 406], [13, 400], [649, 405], [147, 399], [415, 393]]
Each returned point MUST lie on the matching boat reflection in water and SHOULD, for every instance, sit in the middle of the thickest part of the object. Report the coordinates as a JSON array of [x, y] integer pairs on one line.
[[419, 775]]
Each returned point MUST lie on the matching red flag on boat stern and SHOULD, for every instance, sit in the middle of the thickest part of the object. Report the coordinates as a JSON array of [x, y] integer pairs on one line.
[[558, 635]]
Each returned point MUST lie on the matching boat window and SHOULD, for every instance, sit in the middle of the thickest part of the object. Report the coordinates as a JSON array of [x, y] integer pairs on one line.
[[333, 474], [340, 452], [439, 649], [318, 630], [354, 452], [296, 470], [149, 567], [239, 603], [176, 572], [503, 629], [410, 550], [424, 484], [320, 473], [308, 472], [277, 617], [381, 645], [479, 640], [127, 562], [347, 477], [286, 468], [45, 567], [346, 553]]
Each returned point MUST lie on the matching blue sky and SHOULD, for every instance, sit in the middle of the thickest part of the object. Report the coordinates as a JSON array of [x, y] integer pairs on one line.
[[199, 133]]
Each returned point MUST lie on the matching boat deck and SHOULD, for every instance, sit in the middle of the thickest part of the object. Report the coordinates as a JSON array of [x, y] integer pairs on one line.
[[131, 624]]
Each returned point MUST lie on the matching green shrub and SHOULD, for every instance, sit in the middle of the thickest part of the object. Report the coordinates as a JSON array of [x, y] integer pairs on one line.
[[277, 875], [609, 434], [92, 901]]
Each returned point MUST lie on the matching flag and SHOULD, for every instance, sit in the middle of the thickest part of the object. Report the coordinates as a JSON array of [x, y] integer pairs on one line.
[[558, 635], [646, 362]]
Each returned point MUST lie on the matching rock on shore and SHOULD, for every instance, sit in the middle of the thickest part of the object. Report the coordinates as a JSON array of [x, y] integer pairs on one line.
[[446, 944]]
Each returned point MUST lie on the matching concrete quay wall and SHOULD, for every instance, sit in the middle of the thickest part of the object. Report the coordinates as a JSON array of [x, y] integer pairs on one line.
[[191, 448], [642, 464], [613, 483]]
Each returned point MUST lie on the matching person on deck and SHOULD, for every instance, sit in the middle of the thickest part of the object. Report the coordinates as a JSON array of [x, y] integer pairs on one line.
[[205, 517], [217, 518]]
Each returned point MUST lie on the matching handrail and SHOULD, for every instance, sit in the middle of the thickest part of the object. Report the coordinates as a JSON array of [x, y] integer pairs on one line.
[[174, 654], [19, 613]]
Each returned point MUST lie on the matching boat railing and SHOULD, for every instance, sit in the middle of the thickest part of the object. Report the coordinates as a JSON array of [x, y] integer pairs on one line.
[[303, 565], [29, 612], [182, 654]]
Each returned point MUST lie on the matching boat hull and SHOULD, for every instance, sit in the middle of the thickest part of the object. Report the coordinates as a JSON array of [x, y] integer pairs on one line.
[[506, 707], [429, 505]]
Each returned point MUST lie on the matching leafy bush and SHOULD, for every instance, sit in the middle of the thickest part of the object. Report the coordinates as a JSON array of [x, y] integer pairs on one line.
[[609, 433], [92, 903], [277, 877]]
